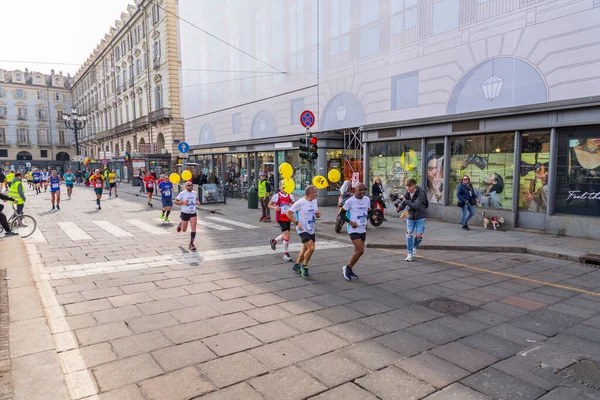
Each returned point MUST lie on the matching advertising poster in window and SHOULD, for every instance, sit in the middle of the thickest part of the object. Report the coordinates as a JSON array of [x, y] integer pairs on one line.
[[533, 172], [394, 163], [578, 174], [435, 173], [488, 161]]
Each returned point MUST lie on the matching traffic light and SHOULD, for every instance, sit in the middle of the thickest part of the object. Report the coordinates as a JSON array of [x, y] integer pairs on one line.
[[313, 155], [309, 147]]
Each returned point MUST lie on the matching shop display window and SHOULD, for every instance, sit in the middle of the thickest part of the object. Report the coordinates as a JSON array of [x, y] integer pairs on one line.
[[435, 172], [533, 171], [394, 163]]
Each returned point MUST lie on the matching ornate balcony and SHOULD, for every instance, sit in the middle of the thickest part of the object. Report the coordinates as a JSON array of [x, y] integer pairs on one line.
[[160, 115], [127, 126], [140, 122]]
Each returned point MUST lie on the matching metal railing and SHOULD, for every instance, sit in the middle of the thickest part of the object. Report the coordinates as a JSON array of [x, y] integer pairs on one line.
[[160, 114]]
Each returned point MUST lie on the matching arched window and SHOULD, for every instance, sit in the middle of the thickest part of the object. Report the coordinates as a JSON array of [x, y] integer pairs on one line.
[[24, 155]]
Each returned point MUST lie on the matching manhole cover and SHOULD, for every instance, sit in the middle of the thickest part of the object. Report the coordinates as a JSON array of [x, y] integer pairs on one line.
[[448, 306], [585, 372]]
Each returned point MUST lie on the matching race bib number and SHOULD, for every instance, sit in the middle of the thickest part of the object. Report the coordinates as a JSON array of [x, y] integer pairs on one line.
[[284, 208], [98, 185], [311, 224], [55, 186], [362, 221], [150, 184], [167, 192]]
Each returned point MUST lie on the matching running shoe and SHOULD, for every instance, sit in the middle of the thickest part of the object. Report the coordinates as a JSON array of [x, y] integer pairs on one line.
[[116, 195], [408, 257], [261, 219], [192, 247], [413, 257], [304, 271], [167, 219], [286, 257], [99, 208], [53, 208], [150, 204], [162, 217], [58, 208], [347, 273], [267, 220], [273, 243], [296, 268], [414, 253], [353, 275], [179, 228]]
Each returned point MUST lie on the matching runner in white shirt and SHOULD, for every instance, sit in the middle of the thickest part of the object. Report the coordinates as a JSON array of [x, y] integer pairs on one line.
[[188, 200], [356, 214], [303, 213]]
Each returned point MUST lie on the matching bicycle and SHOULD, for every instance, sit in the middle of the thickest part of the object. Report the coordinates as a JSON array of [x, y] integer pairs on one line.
[[22, 224]]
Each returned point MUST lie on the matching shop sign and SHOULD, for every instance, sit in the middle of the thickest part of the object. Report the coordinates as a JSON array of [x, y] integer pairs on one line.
[[577, 195]]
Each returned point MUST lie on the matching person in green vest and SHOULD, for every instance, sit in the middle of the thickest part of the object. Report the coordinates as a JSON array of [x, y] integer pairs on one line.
[[17, 192], [264, 194], [9, 178], [105, 174]]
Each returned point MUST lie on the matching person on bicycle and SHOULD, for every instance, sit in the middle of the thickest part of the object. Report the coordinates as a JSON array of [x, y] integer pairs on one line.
[[3, 220], [112, 181], [17, 192]]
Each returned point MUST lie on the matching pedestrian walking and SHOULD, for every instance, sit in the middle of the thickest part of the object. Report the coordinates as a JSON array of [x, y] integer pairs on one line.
[[355, 212], [141, 179], [264, 191], [188, 200], [281, 203], [467, 199], [415, 199], [304, 213]]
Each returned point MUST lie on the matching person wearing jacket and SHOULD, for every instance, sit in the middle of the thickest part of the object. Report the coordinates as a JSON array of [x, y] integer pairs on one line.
[[17, 192], [3, 220], [467, 198], [415, 199]]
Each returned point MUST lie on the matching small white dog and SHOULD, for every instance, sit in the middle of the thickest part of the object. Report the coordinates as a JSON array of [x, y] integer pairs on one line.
[[495, 222]]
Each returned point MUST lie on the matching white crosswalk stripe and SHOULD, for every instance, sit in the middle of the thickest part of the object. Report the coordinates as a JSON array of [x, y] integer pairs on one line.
[[73, 231], [153, 229], [213, 226], [112, 229], [236, 223], [36, 237]]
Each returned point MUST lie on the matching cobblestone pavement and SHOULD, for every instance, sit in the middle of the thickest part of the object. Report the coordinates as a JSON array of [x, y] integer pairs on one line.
[[135, 315]]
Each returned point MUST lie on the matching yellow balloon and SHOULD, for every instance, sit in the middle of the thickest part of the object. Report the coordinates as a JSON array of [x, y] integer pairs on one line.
[[286, 170], [409, 160], [334, 175], [320, 182], [174, 178], [186, 175], [289, 185]]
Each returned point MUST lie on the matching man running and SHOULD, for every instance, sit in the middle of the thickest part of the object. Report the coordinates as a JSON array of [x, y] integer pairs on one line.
[[112, 183], [188, 200], [303, 213], [37, 176], [97, 181], [54, 183], [355, 213], [166, 196], [149, 182], [415, 199], [281, 203], [45, 176], [69, 179]]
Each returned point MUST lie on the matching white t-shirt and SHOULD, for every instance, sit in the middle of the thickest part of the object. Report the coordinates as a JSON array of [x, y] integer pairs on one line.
[[357, 211], [191, 197], [305, 214], [284, 207]]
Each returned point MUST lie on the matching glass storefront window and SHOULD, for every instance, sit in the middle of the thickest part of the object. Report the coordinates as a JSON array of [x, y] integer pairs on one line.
[[266, 164], [394, 163], [435, 171], [335, 160], [301, 176], [533, 175], [488, 160], [235, 167], [578, 171]]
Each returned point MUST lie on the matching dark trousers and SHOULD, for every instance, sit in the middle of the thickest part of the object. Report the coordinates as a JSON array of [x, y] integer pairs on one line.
[[4, 222], [264, 203]]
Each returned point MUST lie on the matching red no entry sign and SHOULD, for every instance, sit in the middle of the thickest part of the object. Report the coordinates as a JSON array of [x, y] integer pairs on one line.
[[307, 119]]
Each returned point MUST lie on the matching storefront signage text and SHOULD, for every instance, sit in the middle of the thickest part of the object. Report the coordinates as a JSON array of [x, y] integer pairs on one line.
[[574, 194]]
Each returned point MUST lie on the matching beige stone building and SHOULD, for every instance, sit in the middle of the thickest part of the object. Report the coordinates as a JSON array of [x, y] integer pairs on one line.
[[31, 127], [129, 89]]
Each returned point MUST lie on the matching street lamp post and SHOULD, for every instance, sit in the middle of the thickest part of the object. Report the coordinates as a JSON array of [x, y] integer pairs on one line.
[[75, 123]]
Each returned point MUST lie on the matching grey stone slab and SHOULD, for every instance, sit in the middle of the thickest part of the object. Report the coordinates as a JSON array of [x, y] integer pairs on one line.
[[404, 343], [138, 344], [161, 294], [515, 334], [231, 322], [198, 299], [392, 300], [493, 345], [372, 355], [487, 317], [504, 309], [456, 391], [102, 333], [191, 314], [384, 323], [231, 342], [307, 322], [537, 325], [265, 299], [268, 313], [464, 356], [129, 299], [523, 368], [175, 357], [319, 342], [280, 354], [497, 384], [231, 293], [101, 293], [575, 344], [462, 324], [29, 336], [564, 393], [585, 332], [160, 306], [240, 391], [330, 300], [226, 371], [369, 307], [354, 331], [179, 385], [272, 331], [117, 314], [433, 370], [139, 287], [573, 310], [434, 332], [87, 307], [333, 369], [415, 314], [294, 294], [202, 287], [151, 322], [339, 314], [553, 357], [393, 384], [232, 306], [347, 391], [187, 332], [288, 383], [123, 372], [87, 357], [129, 392], [300, 306]]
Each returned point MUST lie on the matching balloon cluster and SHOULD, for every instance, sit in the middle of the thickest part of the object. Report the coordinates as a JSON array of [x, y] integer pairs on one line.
[[175, 179], [320, 182]]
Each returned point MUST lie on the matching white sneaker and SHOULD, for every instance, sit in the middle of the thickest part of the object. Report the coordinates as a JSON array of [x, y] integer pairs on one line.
[[286, 257], [408, 257], [414, 253], [413, 257]]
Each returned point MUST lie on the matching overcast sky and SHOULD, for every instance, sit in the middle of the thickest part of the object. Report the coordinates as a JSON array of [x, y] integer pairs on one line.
[[57, 31]]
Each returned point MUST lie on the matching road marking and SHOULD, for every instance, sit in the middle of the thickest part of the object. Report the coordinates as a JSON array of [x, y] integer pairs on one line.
[[236, 223], [73, 231], [153, 229], [112, 229], [523, 278], [213, 226], [36, 237], [103, 267]]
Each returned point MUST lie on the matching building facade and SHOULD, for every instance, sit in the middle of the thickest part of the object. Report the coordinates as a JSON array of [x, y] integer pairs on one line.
[[32, 131], [129, 90], [506, 91]]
